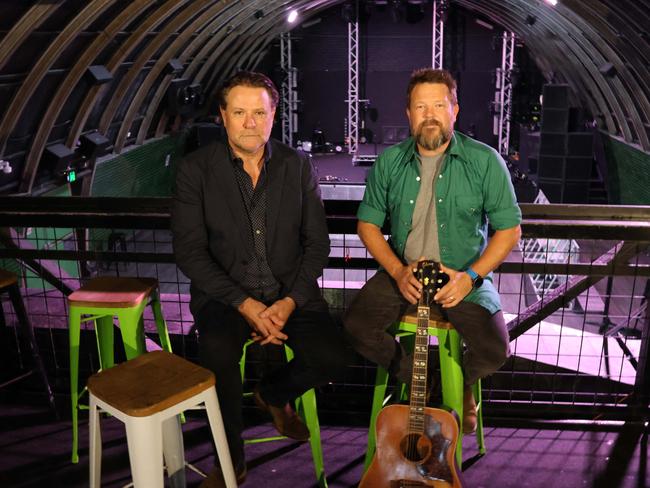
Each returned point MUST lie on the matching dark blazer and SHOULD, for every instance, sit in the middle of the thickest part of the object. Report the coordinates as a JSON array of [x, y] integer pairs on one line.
[[210, 226]]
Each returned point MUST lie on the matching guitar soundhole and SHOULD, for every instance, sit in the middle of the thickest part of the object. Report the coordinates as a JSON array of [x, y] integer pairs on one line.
[[415, 447]]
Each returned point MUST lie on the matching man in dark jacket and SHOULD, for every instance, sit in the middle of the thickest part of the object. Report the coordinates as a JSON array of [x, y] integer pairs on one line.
[[249, 231]]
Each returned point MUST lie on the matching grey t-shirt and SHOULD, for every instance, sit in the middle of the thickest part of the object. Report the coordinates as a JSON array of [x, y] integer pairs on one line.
[[423, 238]]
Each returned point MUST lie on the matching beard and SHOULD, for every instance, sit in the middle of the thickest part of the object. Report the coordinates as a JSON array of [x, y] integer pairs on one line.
[[431, 139]]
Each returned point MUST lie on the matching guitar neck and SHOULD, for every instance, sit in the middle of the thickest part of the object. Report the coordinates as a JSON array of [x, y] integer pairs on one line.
[[419, 375]]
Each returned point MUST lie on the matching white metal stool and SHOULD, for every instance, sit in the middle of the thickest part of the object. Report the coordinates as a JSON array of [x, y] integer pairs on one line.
[[147, 394]]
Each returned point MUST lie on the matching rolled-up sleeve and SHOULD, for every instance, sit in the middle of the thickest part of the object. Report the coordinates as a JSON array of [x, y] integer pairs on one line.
[[373, 207], [500, 201]]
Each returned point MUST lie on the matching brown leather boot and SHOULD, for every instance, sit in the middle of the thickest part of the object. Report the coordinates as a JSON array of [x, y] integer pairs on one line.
[[285, 419], [470, 417]]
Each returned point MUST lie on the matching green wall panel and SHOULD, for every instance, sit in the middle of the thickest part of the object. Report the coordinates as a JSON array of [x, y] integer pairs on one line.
[[628, 173], [144, 171]]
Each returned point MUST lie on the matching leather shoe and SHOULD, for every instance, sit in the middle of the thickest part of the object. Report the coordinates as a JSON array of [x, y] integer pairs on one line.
[[216, 480], [470, 417], [285, 419]]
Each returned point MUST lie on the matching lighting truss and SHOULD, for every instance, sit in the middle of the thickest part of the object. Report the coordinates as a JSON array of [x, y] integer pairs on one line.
[[353, 87], [437, 46], [288, 95], [504, 92]]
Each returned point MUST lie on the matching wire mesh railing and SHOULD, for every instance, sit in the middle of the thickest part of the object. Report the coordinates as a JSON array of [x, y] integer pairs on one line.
[[579, 347]]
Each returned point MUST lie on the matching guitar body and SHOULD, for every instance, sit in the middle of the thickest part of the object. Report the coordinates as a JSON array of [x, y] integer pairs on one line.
[[421, 460]]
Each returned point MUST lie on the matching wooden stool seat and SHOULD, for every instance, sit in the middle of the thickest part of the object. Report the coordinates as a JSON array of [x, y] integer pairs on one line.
[[113, 292], [150, 383], [7, 278], [148, 394], [100, 301]]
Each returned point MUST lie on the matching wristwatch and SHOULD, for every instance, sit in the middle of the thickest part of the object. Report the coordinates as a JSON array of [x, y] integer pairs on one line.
[[477, 280]]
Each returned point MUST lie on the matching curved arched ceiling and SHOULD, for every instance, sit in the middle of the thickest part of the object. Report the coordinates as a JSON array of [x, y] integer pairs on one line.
[[600, 48]]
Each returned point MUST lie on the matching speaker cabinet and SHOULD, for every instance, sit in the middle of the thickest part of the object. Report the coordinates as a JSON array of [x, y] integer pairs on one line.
[[555, 120], [552, 144], [553, 189], [580, 144], [551, 167], [94, 145], [576, 192], [98, 74], [555, 96], [578, 168]]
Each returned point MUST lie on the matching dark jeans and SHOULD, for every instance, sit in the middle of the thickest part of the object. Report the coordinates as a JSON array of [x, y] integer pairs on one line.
[[380, 303], [318, 348]]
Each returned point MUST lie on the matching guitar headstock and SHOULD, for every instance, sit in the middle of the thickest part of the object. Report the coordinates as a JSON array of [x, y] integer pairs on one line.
[[432, 279]]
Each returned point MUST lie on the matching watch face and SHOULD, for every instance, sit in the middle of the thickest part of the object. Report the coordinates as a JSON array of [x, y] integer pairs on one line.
[[478, 282]]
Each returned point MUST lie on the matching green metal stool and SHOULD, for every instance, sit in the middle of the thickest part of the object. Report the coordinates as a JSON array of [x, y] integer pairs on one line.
[[306, 408], [452, 380], [100, 300]]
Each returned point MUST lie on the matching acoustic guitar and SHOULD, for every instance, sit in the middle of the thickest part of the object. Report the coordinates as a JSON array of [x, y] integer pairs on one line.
[[416, 445]]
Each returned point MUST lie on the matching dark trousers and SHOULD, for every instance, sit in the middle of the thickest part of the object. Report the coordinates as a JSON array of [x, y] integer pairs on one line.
[[318, 348], [380, 303]]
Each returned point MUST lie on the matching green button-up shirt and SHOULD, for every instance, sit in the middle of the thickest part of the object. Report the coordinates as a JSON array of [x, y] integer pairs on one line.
[[473, 187]]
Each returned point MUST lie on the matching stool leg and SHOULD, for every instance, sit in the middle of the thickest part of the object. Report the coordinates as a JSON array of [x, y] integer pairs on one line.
[[173, 451], [95, 435], [28, 333], [309, 413], [452, 378], [74, 333], [104, 334], [159, 318], [480, 436], [144, 436], [219, 437], [132, 330], [378, 397]]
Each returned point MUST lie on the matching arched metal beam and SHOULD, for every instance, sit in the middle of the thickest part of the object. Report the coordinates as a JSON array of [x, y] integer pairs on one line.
[[204, 24], [69, 83], [212, 49], [149, 24], [47, 59], [27, 24], [146, 54]]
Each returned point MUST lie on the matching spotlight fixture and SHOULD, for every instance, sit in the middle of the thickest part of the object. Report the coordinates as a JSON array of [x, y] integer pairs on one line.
[[531, 19], [607, 69], [292, 17], [97, 74], [259, 14], [173, 66], [551, 2]]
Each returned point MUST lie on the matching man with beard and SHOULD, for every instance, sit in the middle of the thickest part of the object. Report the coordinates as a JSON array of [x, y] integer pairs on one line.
[[439, 189]]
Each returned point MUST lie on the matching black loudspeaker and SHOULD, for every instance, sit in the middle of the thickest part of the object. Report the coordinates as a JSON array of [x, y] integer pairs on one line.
[[578, 168], [94, 145], [553, 189], [98, 74], [58, 156], [173, 66], [552, 144], [580, 144], [551, 167], [576, 192], [555, 96], [555, 120], [176, 102]]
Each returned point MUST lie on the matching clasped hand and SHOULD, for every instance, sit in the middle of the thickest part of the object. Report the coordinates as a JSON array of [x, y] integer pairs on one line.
[[450, 295], [267, 322]]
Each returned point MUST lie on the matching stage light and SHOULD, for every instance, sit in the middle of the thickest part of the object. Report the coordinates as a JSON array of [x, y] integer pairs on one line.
[[551, 2], [292, 17], [607, 69], [531, 19]]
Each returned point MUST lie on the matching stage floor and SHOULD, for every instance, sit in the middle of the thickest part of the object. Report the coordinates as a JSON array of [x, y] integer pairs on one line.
[[35, 452]]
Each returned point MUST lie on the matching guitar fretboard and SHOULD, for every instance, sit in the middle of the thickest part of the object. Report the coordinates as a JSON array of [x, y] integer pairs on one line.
[[419, 375]]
